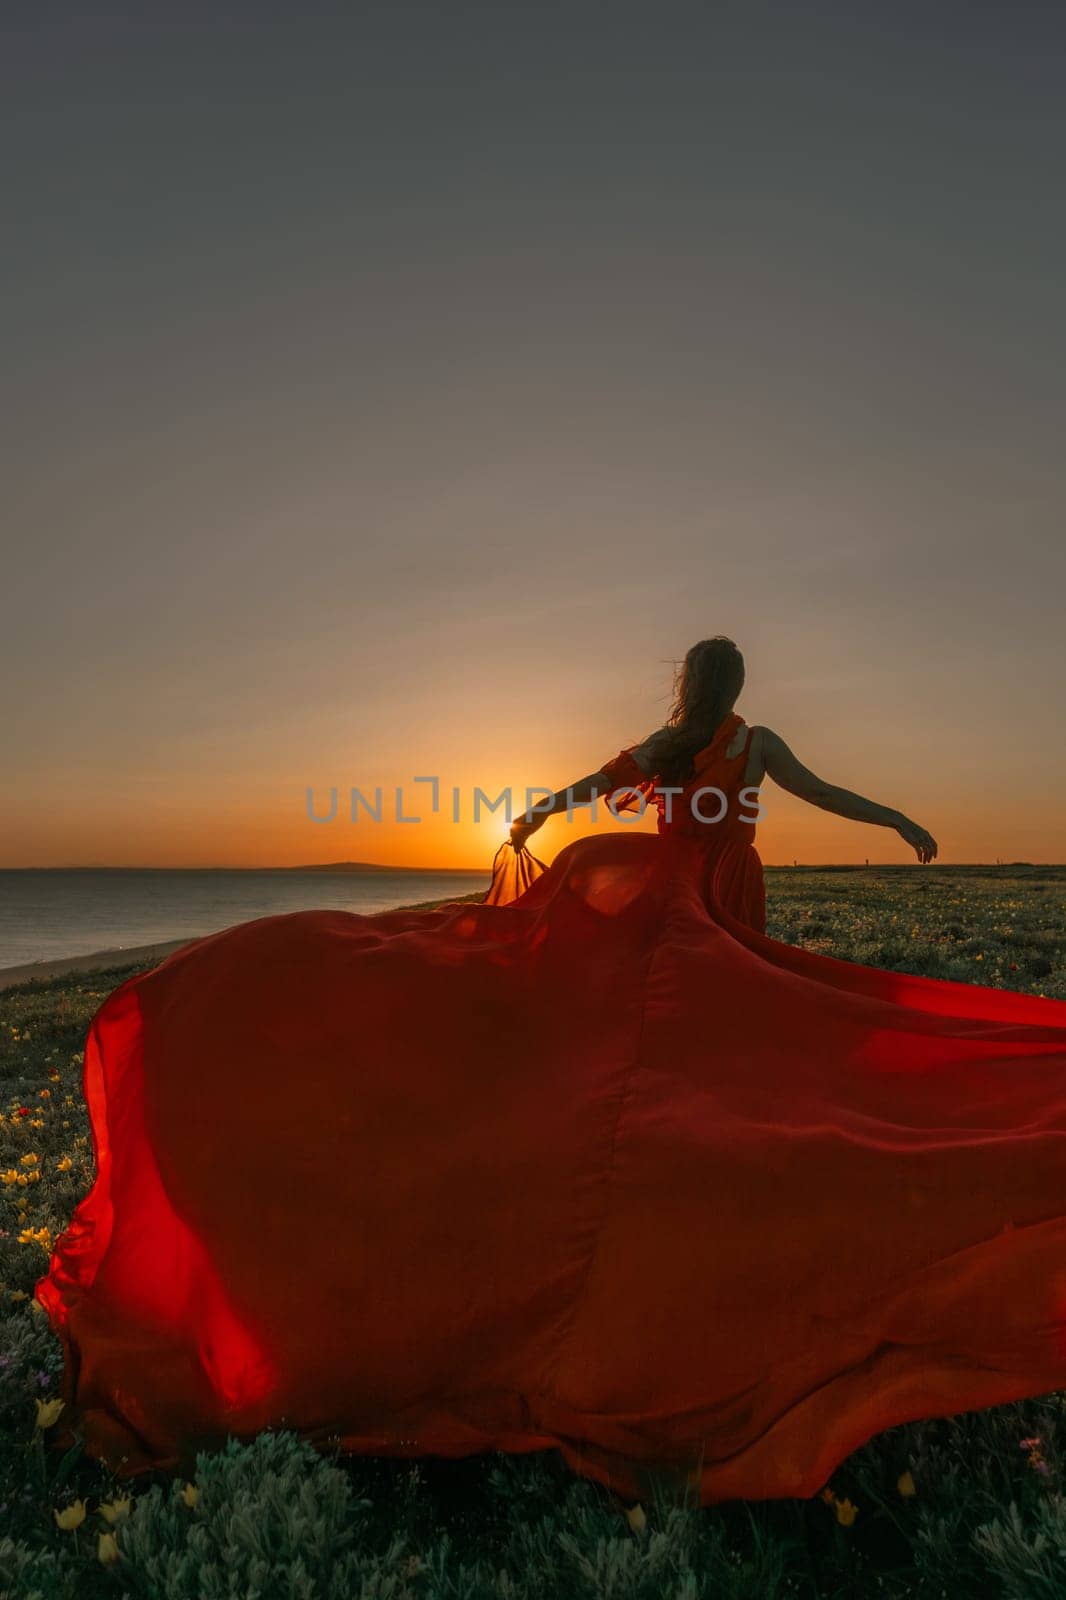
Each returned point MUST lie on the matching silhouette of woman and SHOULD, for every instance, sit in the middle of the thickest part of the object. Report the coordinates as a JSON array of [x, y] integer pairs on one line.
[[670, 763]]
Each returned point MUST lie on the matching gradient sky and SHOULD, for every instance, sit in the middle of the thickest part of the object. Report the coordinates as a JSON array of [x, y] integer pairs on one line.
[[401, 389]]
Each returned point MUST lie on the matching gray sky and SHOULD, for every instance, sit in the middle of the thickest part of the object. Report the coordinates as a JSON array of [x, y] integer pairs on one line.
[[398, 388]]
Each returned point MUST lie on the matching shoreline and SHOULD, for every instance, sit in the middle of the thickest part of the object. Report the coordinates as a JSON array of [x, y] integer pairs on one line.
[[94, 961], [134, 955]]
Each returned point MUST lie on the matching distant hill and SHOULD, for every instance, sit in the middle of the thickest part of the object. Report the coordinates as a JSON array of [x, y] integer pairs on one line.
[[312, 866], [369, 866]]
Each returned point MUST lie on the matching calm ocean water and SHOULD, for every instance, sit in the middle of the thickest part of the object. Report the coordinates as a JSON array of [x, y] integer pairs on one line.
[[48, 914]]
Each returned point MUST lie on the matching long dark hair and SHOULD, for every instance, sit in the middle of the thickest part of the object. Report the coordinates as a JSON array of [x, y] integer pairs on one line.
[[705, 690]]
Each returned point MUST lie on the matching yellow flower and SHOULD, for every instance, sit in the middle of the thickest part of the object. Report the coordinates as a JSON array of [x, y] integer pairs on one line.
[[828, 1496], [29, 1160], [107, 1549], [905, 1485], [636, 1518], [72, 1517], [34, 1176], [47, 1412], [9, 1177], [19, 1294], [41, 1236], [846, 1513], [64, 1165], [190, 1494], [114, 1511], [36, 1122]]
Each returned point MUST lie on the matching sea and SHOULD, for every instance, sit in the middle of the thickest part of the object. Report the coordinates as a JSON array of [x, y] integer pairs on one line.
[[46, 914]]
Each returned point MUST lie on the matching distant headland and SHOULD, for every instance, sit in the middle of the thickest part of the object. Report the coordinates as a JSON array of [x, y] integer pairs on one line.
[[369, 866], [311, 866]]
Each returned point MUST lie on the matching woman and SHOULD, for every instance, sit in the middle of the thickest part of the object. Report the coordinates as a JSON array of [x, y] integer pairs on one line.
[[594, 1165], [671, 763]]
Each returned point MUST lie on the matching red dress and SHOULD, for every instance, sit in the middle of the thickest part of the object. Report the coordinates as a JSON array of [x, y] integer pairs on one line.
[[604, 1169]]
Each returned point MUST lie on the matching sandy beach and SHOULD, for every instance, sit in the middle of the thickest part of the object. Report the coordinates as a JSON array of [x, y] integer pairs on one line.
[[97, 960]]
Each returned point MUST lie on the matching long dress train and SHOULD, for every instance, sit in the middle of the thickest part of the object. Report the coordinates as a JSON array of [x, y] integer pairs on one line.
[[604, 1169]]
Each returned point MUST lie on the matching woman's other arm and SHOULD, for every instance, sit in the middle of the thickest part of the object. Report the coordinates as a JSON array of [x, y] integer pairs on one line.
[[584, 789], [788, 771]]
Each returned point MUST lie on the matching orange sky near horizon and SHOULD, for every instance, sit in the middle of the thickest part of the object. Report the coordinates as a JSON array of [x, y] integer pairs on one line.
[[242, 799], [195, 835]]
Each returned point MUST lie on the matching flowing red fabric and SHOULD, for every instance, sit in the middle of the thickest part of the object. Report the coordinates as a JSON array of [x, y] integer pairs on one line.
[[512, 873], [603, 1168]]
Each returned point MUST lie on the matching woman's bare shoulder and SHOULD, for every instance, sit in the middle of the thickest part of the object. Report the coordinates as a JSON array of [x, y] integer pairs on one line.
[[761, 741], [764, 738], [755, 731]]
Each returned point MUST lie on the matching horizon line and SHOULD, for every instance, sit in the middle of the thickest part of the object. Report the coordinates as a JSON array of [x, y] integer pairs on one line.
[[379, 866]]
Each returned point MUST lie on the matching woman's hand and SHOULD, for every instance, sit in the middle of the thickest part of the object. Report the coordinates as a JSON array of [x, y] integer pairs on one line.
[[521, 830], [921, 842]]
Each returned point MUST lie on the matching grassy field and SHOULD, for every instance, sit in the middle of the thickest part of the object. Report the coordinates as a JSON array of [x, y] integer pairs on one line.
[[970, 1506]]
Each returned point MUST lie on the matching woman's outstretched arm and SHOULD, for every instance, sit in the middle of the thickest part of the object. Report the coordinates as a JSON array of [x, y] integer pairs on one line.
[[788, 771], [589, 788]]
